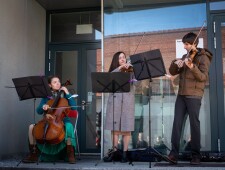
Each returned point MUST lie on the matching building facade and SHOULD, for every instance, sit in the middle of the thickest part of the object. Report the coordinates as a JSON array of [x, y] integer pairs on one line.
[[74, 42]]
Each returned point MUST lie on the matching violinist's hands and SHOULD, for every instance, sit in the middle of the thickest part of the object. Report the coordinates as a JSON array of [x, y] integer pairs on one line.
[[49, 117], [45, 107], [64, 89], [124, 66], [179, 63], [188, 63]]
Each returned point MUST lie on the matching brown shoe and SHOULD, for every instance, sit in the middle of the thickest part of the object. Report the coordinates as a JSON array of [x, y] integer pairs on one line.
[[172, 159], [71, 154], [33, 155], [31, 158], [195, 161]]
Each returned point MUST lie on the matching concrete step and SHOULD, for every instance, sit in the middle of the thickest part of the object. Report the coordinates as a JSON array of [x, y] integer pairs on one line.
[[95, 163]]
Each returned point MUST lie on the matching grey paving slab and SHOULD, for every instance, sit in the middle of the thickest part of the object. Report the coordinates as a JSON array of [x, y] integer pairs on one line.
[[93, 163]]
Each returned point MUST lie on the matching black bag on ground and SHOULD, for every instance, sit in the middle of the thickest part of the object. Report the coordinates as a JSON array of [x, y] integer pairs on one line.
[[143, 155], [113, 155]]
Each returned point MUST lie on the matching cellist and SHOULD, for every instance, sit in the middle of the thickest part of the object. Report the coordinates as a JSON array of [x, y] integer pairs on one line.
[[65, 149]]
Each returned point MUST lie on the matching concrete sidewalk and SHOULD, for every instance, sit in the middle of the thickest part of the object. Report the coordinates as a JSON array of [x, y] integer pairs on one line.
[[94, 163]]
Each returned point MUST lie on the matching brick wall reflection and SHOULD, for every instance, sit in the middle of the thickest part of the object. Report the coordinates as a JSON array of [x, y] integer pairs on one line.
[[142, 42]]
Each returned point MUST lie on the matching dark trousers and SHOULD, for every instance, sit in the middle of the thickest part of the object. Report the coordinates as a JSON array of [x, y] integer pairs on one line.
[[191, 106]]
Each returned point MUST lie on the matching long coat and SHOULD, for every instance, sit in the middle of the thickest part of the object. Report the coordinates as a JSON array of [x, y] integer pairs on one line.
[[123, 112]]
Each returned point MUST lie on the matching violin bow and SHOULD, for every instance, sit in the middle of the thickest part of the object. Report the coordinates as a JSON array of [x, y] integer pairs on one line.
[[196, 38], [65, 107], [139, 43]]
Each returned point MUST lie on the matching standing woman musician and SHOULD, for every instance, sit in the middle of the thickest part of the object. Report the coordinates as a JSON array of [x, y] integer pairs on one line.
[[123, 109], [66, 148], [193, 71]]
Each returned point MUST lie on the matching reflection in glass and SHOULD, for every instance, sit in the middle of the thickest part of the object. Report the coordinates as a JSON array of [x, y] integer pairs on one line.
[[136, 30], [217, 5], [149, 20], [71, 27]]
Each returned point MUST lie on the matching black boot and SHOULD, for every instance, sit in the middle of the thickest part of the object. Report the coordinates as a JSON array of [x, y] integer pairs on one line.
[[124, 157]]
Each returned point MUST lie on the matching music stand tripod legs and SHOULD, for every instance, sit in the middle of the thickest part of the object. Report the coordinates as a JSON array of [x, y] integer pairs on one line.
[[114, 82], [148, 65], [152, 151], [32, 87], [111, 153]]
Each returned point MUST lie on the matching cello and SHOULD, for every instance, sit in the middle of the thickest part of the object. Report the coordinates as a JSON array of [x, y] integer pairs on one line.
[[51, 131]]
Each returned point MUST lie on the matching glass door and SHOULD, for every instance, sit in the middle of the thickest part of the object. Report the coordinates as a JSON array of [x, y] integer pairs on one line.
[[218, 119], [75, 62]]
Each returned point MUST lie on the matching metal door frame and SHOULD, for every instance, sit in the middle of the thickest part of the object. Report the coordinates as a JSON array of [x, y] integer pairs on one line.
[[216, 83], [82, 60]]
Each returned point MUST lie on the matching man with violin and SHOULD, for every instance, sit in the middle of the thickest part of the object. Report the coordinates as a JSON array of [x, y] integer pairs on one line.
[[53, 138], [193, 69]]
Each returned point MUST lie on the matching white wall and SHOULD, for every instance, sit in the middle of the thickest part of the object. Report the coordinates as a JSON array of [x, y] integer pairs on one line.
[[22, 53]]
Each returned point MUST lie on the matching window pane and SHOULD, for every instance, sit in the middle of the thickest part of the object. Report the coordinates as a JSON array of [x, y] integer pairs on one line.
[[71, 27], [136, 30], [217, 5]]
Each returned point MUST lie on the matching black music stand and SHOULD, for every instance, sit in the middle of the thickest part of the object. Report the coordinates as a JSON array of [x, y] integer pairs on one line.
[[32, 87], [148, 65], [114, 82]]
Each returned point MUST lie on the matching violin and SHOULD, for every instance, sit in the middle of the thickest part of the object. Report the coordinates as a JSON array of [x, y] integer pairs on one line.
[[52, 131], [126, 70], [190, 56], [192, 52]]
